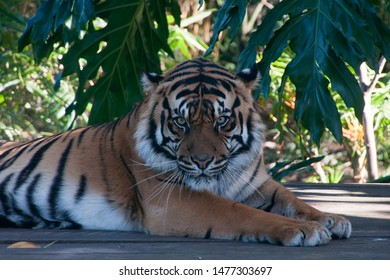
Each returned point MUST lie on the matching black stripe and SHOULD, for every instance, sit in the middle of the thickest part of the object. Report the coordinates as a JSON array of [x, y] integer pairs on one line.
[[97, 131], [3, 197], [210, 64], [208, 234], [230, 127], [102, 152], [221, 72], [227, 85], [241, 120], [26, 218], [113, 127], [186, 82], [3, 155], [165, 104], [30, 196], [151, 135], [162, 122], [249, 128], [12, 208], [35, 143], [180, 110], [206, 79], [58, 181], [181, 74], [245, 146], [12, 159], [208, 109], [82, 188], [72, 224], [132, 179], [236, 103], [65, 136], [196, 65], [34, 161], [106, 129], [213, 91], [272, 204], [254, 174], [187, 92], [81, 135]]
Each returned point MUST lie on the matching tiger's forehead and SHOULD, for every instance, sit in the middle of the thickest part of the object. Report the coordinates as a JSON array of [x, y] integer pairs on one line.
[[198, 105], [200, 87]]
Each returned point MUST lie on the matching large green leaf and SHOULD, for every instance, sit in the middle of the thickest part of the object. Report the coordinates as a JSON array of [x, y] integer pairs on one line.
[[107, 60], [231, 14], [48, 26], [263, 34], [324, 35]]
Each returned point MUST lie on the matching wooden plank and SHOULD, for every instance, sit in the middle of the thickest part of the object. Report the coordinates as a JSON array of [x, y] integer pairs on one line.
[[354, 248], [368, 207]]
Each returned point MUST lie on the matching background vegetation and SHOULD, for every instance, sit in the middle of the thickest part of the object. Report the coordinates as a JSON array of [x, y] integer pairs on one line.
[[80, 61]]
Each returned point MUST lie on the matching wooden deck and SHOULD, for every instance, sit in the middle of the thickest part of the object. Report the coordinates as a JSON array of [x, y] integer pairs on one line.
[[367, 206]]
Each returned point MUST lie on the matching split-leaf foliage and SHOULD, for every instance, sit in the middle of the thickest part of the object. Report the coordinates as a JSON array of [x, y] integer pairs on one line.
[[108, 60], [330, 39]]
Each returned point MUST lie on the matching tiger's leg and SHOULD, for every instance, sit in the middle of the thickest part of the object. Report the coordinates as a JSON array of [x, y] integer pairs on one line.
[[180, 212], [275, 198]]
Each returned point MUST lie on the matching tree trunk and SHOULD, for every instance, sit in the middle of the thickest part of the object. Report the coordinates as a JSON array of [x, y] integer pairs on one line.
[[368, 118]]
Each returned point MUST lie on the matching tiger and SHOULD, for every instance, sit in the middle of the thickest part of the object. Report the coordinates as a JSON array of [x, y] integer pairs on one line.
[[187, 161]]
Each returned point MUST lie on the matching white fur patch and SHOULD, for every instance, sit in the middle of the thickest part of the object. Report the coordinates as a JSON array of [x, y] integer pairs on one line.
[[147, 84]]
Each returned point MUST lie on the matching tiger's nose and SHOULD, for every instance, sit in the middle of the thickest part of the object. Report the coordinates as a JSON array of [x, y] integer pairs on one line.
[[202, 161]]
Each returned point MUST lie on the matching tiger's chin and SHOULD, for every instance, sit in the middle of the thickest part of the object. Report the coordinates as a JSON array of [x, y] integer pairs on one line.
[[203, 183]]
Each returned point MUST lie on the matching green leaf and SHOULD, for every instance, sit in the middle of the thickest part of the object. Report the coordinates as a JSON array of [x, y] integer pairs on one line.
[[315, 108], [116, 55], [274, 49], [381, 32], [48, 27], [38, 27], [264, 31], [283, 169], [82, 12], [343, 82], [63, 13], [107, 60], [324, 35], [231, 14]]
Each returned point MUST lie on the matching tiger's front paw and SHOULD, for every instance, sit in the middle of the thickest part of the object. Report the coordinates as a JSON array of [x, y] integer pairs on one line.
[[303, 234], [339, 226]]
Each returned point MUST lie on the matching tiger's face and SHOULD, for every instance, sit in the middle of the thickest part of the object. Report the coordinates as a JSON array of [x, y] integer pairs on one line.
[[200, 124]]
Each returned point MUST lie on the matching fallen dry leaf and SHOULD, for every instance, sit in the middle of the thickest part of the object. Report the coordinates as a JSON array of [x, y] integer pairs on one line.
[[24, 244]]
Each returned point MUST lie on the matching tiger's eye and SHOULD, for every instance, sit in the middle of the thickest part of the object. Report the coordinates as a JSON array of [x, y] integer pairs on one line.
[[222, 120], [180, 122]]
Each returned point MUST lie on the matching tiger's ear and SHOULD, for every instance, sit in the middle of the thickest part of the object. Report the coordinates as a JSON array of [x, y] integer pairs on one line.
[[150, 81], [250, 76]]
